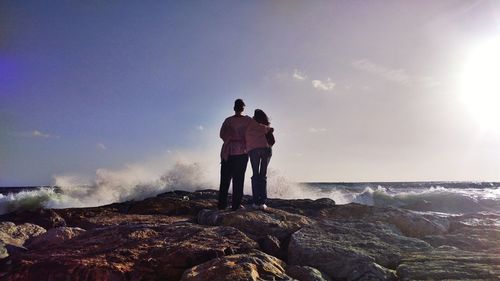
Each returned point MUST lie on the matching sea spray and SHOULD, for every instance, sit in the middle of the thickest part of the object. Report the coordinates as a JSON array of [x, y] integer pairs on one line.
[[133, 182], [279, 186]]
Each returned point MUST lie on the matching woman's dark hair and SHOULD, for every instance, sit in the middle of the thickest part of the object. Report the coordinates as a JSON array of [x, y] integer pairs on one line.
[[261, 117]]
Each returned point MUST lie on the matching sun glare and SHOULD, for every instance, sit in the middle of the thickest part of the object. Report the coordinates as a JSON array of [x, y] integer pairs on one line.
[[481, 83]]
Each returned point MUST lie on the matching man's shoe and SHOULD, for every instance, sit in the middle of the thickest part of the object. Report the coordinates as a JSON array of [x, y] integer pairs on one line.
[[263, 207], [240, 207]]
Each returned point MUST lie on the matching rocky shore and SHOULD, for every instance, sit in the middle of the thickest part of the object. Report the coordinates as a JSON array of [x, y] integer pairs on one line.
[[182, 236]]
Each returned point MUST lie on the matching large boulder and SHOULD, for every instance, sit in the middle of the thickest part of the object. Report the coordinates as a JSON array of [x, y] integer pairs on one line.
[[408, 222], [255, 223], [3, 251], [271, 228], [306, 273], [129, 252], [45, 218], [470, 232], [352, 250], [172, 203], [252, 266], [12, 234], [54, 236], [450, 263], [166, 208], [306, 207], [90, 218]]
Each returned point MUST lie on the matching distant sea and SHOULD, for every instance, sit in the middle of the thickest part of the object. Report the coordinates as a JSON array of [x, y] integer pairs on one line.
[[4, 190]]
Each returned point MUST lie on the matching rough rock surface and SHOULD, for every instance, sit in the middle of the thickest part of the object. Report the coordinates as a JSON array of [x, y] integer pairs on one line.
[[130, 252], [181, 233], [250, 266], [449, 263], [306, 273], [408, 222], [352, 250]]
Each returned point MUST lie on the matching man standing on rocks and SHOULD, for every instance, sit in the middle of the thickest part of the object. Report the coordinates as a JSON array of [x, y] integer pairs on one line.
[[234, 157]]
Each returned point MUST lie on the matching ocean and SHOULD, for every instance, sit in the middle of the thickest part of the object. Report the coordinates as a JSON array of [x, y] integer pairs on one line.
[[438, 198]]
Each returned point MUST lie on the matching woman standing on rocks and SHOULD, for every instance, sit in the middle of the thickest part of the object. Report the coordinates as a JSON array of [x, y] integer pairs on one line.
[[259, 140]]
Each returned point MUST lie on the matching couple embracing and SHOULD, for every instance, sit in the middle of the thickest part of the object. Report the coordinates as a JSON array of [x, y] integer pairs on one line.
[[245, 137]]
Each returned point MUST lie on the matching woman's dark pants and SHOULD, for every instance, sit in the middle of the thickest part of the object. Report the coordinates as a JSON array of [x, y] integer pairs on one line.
[[234, 168], [259, 159]]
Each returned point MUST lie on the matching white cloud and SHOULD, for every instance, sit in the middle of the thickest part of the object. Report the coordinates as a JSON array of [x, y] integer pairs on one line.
[[457, 10], [200, 128], [298, 75], [429, 82], [317, 130], [40, 134], [327, 85], [396, 75], [101, 146]]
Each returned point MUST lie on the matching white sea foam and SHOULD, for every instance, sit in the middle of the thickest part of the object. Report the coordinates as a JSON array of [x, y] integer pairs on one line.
[[436, 199]]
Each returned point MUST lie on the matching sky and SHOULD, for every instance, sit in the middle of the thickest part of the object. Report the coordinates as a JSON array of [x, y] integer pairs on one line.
[[356, 90]]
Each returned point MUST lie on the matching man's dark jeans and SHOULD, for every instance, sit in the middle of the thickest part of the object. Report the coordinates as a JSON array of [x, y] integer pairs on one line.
[[259, 159], [234, 168]]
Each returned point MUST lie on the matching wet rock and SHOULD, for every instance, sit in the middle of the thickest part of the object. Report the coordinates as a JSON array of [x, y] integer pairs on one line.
[[171, 204], [252, 266], [449, 263], [306, 273], [129, 252], [306, 207], [203, 194], [352, 250], [90, 218], [272, 245], [15, 249], [3, 251], [54, 236]]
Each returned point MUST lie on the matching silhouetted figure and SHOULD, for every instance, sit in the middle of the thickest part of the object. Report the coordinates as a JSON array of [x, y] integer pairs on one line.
[[234, 157], [258, 138]]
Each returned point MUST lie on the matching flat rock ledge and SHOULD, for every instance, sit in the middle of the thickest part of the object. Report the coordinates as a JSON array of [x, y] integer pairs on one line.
[[182, 236]]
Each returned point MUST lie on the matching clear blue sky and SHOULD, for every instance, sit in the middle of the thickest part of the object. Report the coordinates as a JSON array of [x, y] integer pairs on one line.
[[358, 90]]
